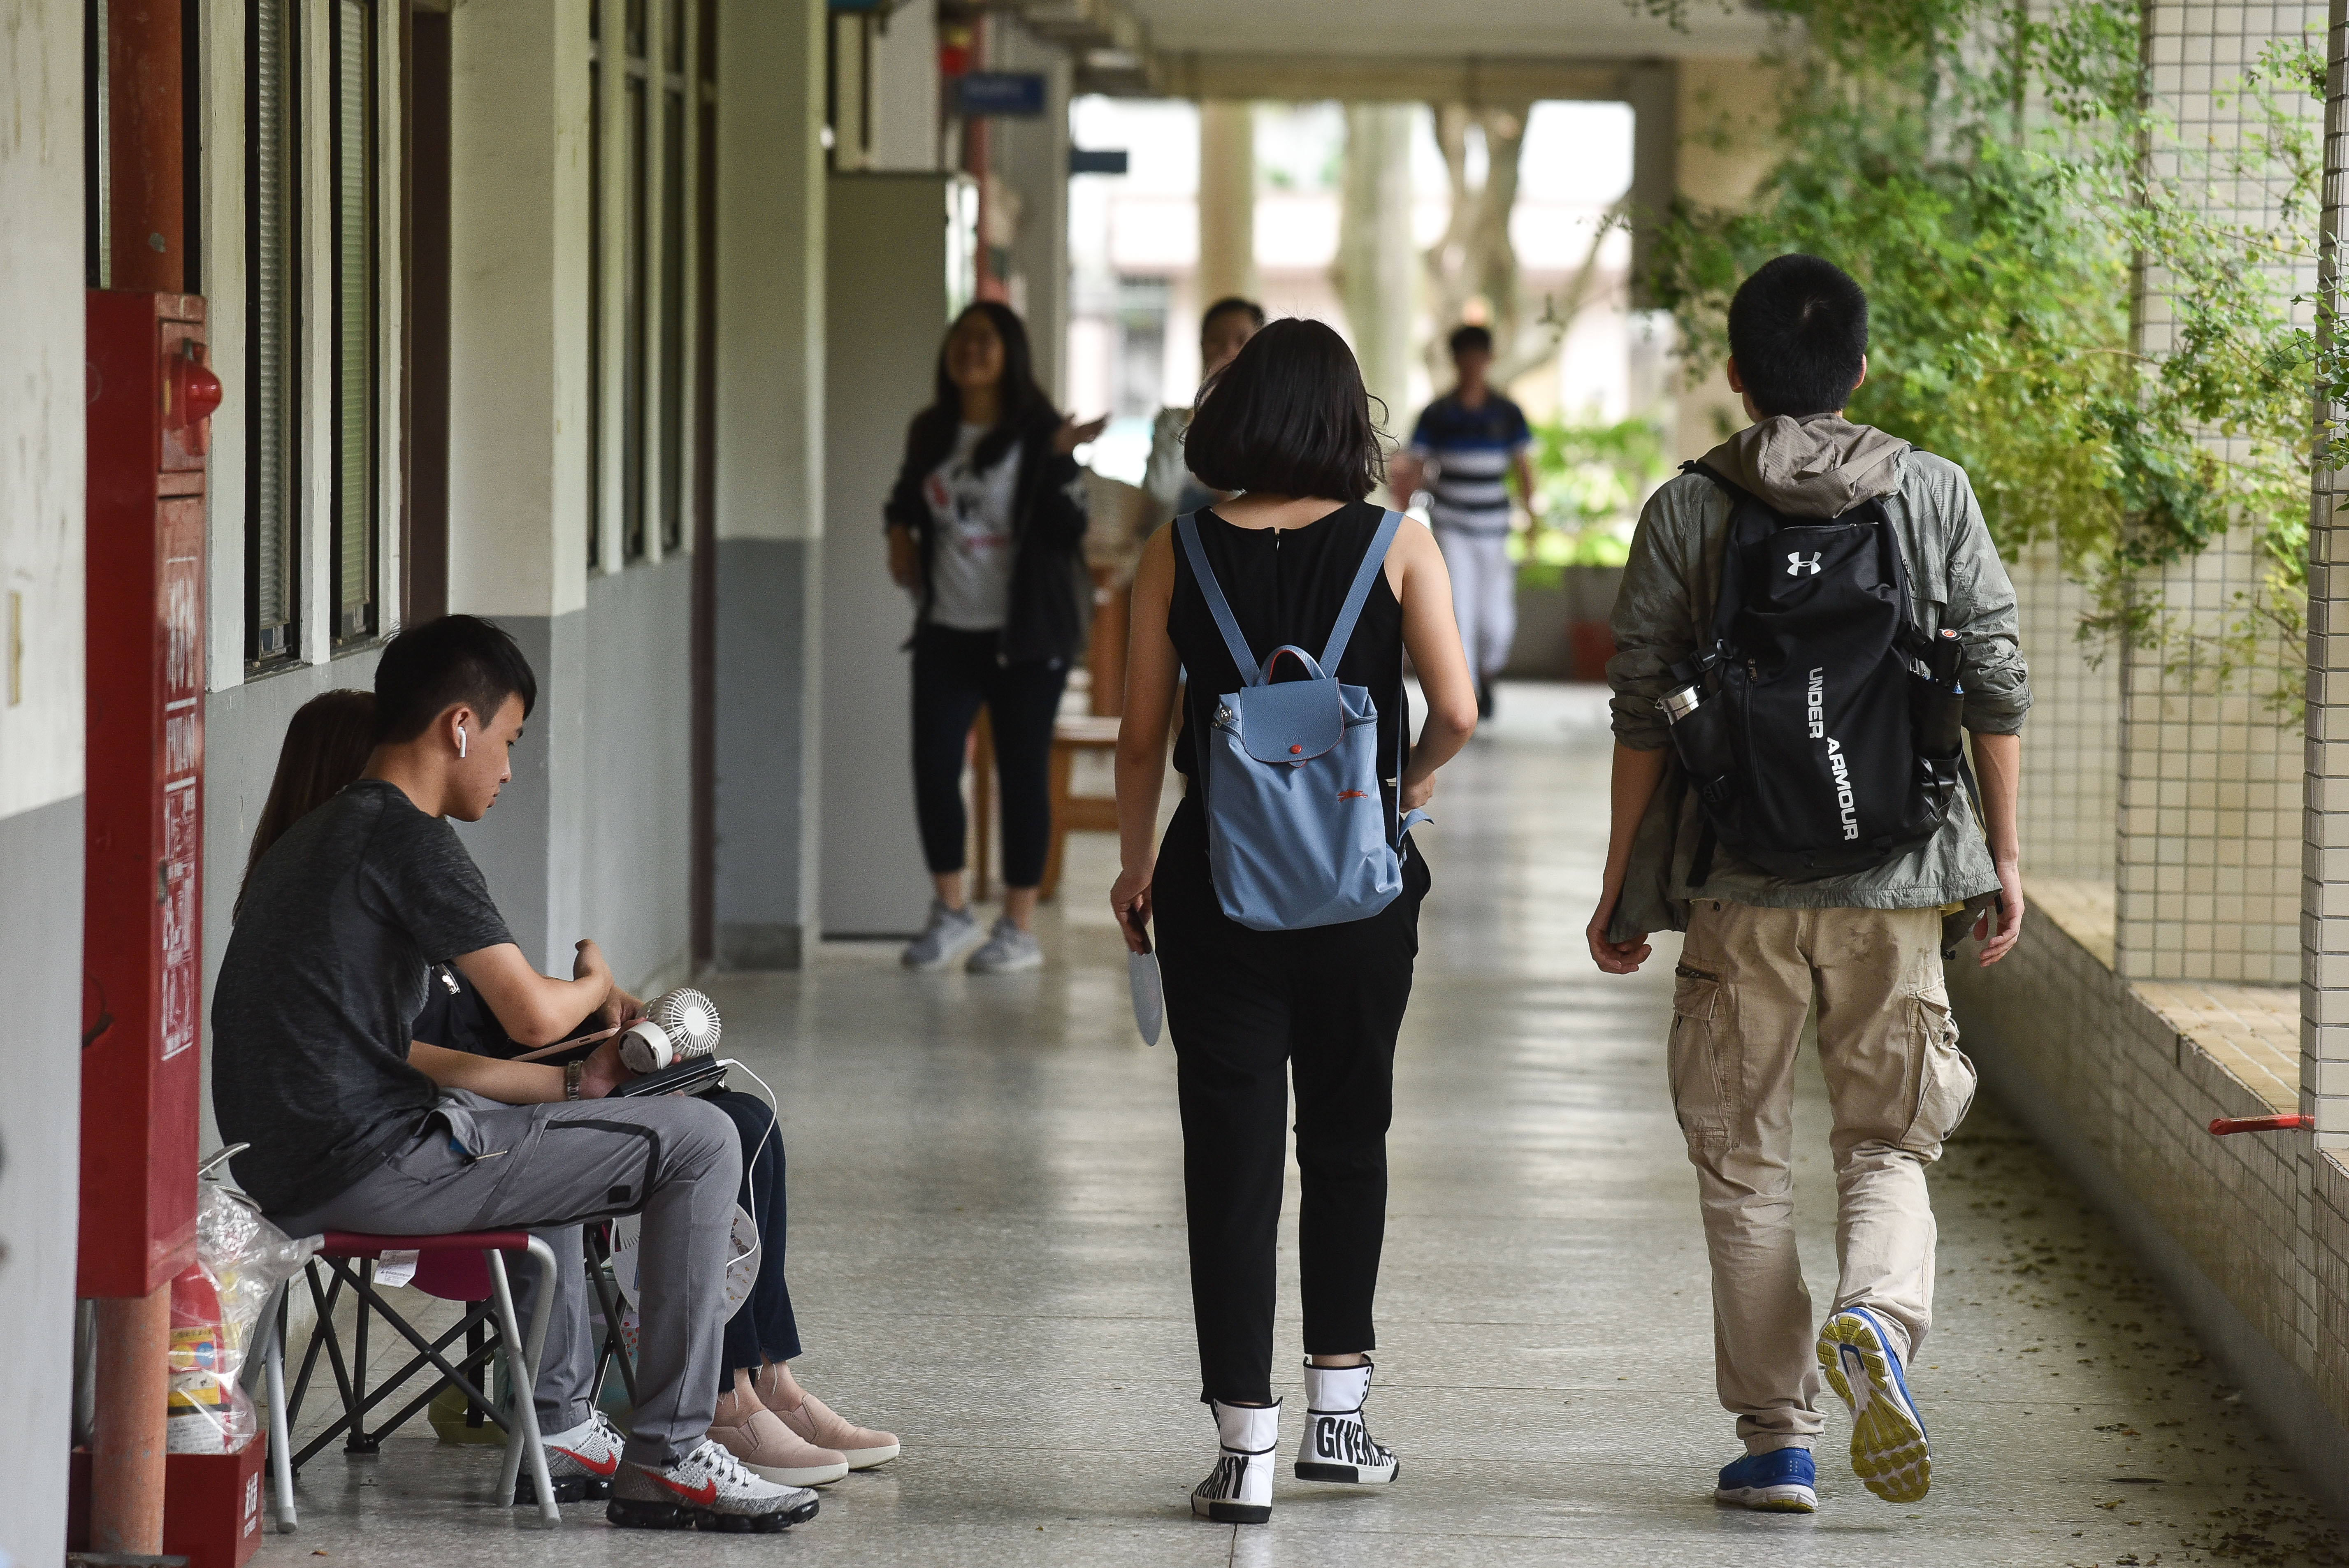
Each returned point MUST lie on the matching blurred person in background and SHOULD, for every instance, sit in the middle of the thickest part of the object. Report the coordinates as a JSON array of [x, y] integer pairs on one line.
[[1225, 328], [986, 528], [1464, 451]]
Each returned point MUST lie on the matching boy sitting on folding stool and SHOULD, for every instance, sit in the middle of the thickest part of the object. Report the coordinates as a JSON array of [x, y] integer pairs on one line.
[[354, 1127]]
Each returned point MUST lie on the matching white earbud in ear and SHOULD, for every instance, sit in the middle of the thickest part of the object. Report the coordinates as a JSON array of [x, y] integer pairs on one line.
[[461, 743]]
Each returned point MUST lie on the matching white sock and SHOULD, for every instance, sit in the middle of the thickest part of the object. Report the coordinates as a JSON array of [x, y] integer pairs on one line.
[[569, 1436]]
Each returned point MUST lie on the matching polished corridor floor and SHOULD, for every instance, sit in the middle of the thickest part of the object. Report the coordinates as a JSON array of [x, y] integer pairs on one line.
[[987, 1257]]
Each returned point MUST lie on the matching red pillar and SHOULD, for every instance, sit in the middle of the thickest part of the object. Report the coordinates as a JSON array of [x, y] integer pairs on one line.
[[144, 733], [145, 122]]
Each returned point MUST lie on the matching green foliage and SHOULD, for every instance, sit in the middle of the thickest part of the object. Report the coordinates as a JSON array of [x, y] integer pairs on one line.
[[1993, 181], [1590, 480]]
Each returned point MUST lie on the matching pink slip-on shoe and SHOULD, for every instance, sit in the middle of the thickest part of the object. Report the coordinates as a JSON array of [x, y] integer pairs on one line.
[[745, 1428], [814, 1421]]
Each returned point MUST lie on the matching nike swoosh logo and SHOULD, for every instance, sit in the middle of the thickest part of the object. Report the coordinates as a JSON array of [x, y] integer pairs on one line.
[[604, 1467], [700, 1496]]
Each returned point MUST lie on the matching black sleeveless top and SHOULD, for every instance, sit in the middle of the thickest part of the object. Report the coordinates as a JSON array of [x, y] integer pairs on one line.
[[1286, 585]]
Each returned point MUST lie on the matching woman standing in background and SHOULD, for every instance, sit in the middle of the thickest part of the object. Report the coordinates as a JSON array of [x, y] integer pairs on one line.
[[985, 525]]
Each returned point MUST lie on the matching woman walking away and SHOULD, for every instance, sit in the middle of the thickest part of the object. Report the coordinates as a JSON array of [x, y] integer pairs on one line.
[[1254, 1002], [984, 522]]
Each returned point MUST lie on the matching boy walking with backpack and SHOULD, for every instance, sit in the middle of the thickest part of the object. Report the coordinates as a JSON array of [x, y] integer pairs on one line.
[[1804, 617]]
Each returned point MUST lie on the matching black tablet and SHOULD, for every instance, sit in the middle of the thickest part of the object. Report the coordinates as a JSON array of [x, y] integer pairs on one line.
[[702, 1074]]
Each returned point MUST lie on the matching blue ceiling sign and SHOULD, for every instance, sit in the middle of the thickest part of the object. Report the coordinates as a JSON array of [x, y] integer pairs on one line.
[[1006, 94]]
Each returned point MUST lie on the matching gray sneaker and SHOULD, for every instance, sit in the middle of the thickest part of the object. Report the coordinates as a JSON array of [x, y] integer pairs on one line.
[[950, 933], [1008, 948]]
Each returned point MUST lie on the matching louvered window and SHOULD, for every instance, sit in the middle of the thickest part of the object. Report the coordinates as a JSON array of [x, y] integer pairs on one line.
[[272, 273], [672, 277], [356, 507], [642, 293], [594, 283], [634, 321]]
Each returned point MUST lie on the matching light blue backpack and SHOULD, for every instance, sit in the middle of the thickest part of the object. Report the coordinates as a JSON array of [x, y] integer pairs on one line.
[[1297, 829]]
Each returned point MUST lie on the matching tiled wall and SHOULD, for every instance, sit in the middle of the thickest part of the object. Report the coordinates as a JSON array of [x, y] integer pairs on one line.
[[2208, 879], [2324, 864], [2071, 742], [2103, 1072], [2209, 873]]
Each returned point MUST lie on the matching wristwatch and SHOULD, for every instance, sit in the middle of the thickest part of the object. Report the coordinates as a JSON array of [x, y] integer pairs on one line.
[[571, 1074]]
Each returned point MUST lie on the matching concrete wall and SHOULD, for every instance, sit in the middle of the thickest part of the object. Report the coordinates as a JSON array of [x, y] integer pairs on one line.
[[41, 479], [638, 824], [2249, 1234], [770, 478]]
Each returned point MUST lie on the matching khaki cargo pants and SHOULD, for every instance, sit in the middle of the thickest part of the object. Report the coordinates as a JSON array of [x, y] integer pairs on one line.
[[1899, 1086]]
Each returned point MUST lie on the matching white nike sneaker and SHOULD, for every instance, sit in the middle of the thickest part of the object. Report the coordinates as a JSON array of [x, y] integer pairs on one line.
[[581, 1463], [708, 1489], [1240, 1490], [1337, 1445]]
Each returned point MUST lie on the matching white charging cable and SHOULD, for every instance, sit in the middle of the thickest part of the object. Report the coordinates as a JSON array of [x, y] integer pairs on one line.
[[749, 1161]]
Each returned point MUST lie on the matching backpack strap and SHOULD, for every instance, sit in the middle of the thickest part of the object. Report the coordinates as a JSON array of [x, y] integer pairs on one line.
[[1187, 528], [1375, 559]]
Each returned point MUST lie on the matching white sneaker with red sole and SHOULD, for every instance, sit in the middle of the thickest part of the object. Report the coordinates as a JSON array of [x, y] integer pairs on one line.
[[708, 1489]]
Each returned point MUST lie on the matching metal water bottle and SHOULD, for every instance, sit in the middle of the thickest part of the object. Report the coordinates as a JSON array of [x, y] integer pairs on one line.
[[1697, 736]]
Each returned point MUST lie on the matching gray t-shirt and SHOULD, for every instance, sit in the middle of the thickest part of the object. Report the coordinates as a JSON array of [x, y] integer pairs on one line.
[[326, 968]]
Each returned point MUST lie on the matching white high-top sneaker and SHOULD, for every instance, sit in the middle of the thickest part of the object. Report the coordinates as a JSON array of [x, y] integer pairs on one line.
[[1239, 1491], [1337, 1445]]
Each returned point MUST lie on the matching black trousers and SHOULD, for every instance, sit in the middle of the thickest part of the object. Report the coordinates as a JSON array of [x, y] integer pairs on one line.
[[764, 1328], [1249, 1011], [954, 672]]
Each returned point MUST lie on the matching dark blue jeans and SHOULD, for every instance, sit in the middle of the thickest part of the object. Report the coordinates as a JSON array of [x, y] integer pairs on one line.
[[764, 1327]]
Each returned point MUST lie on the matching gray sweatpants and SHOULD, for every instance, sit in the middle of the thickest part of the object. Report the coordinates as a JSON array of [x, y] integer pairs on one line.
[[483, 1166]]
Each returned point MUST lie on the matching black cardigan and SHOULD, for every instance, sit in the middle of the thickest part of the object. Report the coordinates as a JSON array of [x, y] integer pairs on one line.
[[1046, 620]]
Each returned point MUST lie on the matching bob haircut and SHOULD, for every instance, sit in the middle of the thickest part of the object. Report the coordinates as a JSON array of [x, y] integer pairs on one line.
[[1289, 416]]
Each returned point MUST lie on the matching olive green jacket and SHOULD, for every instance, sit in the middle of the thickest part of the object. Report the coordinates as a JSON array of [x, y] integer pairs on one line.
[[1820, 466]]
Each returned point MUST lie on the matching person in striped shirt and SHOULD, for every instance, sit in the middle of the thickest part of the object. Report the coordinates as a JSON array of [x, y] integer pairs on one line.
[[1463, 451]]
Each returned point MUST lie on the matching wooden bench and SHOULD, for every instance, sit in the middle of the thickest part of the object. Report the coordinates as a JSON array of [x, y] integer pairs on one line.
[[1091, 734]]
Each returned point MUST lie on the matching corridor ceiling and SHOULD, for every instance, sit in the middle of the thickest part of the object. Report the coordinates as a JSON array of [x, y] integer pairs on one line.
[[1462, 50]]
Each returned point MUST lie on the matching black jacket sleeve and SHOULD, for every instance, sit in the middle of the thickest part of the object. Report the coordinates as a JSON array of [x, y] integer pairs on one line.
[[1058, 517], [905, 506]]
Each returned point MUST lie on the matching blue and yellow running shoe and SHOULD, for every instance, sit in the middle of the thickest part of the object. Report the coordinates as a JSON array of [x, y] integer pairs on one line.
[[1781, 1481], [1889, 1451]]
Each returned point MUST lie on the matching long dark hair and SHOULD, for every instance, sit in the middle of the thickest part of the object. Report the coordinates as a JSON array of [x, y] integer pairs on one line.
[[1289, 416], [327, 746], [1021, 405]]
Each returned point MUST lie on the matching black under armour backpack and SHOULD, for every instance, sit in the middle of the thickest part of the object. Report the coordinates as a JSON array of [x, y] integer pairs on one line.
[[1819, 729]]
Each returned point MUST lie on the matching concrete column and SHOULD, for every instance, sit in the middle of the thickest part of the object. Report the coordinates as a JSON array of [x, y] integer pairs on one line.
[[517, 419], [1227, 202], [1722, 130], [41, 694], [1031, 156], [905, 90], [1377, 265], [770, 479], [2324, 855]]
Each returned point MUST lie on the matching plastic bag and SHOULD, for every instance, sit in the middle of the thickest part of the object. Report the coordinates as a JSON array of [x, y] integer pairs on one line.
[[216, 1307]]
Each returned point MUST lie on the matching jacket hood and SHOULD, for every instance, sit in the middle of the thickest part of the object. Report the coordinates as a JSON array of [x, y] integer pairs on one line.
[[1821, 465]]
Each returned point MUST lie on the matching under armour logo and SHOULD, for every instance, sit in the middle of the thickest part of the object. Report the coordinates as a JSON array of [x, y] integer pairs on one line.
[[1796, 565]]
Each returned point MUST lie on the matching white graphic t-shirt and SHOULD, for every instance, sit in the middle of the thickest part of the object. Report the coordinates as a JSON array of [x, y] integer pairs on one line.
[[971, 568]]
